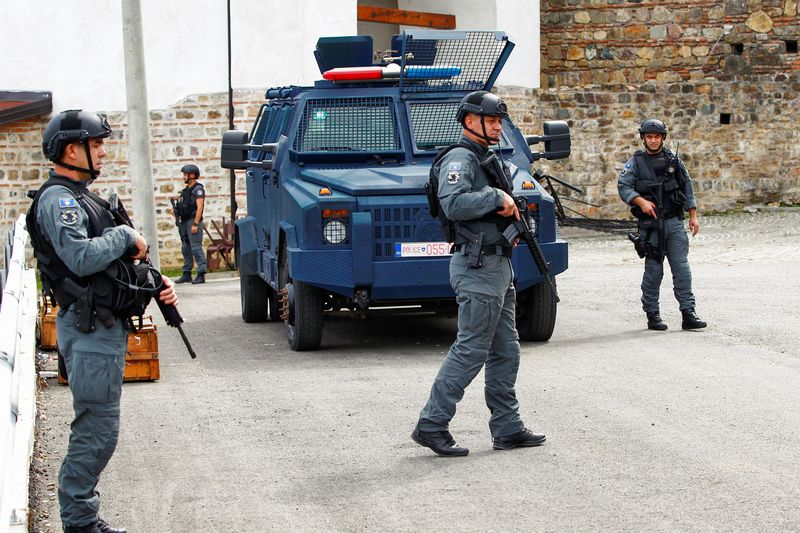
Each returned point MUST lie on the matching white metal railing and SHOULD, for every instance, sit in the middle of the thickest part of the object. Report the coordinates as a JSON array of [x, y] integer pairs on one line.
[[17, 383]]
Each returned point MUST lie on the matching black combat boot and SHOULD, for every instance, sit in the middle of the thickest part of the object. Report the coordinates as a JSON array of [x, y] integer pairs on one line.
[[524, 438], [654, 321], [186, 278], [201, 278], [691, 320], [441, 442], [103, 527]]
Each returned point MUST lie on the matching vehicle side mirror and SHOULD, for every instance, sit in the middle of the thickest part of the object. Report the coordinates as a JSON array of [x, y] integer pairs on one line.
[[235, 148], [556, 140]]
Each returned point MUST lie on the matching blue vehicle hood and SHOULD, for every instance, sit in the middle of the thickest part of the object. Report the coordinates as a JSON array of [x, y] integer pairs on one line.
[[371, 181]]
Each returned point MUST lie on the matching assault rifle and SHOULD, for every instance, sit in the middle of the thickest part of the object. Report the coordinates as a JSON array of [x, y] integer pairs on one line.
[[519, 229], [174, 203], [170, 312]]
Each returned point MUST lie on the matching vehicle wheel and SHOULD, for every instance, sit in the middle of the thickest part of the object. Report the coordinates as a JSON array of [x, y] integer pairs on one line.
[[254, 293], [304, 326], [304, 308], [536, 313]]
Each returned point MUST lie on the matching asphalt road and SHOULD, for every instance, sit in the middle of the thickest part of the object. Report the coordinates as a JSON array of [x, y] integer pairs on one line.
[[646, 430]]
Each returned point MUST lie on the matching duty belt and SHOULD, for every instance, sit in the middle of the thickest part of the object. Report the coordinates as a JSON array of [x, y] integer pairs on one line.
[[490, 249]]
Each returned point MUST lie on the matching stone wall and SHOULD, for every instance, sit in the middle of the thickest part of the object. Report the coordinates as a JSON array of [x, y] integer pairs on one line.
[[189, 132], [597, 42], [753, 159]]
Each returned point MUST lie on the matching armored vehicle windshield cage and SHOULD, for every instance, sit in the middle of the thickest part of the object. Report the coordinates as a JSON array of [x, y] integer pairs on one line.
[[348, 125], [434, 125], [437, 61]]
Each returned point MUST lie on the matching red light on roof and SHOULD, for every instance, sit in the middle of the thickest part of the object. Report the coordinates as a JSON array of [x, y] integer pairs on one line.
[[353, 73]]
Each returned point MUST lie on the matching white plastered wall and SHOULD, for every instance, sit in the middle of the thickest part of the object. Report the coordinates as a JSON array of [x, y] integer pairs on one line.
[[74, 47]]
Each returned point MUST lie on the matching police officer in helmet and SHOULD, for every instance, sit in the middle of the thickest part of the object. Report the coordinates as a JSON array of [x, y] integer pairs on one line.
[[75, 238], [657, 186], [481, 275], [189, 210]]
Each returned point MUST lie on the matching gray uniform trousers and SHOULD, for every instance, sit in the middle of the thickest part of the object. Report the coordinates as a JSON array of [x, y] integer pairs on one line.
[[487, 335], [95, 364], [192, 246], [677, 245]]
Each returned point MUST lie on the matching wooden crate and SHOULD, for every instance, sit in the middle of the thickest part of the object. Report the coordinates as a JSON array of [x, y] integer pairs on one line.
[[46, 325], [141, 358]]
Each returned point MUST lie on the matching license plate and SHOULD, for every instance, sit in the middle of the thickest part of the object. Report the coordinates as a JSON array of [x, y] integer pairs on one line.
[[421, 249]]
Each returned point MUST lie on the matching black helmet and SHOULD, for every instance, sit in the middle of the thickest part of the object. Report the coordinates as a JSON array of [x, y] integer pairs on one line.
[[481, 103], [191, 169], [652, 125], [70, 127]]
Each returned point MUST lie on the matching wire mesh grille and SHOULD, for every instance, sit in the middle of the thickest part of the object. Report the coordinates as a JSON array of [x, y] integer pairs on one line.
[[472, 59], [434, 124], [391, 225], [348, 125]]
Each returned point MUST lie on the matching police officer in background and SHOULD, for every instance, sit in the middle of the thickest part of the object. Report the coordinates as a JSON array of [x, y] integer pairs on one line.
[[656, 184], [75, 238], [189, 209], [482, 279]]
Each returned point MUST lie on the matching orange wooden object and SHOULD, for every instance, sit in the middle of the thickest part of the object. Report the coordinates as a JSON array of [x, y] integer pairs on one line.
[[141, 358], [406, 17], [46, 325]]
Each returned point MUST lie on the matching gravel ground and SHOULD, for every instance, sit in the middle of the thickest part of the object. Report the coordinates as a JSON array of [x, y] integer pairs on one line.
[[688, 431]]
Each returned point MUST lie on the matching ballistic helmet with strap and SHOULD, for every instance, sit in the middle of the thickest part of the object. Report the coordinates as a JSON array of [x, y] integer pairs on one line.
[[74, 126], [652, 125], [191, 169], [481, 103]]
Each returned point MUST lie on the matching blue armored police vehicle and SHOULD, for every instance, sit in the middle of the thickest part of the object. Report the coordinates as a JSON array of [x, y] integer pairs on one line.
[[337, 216]]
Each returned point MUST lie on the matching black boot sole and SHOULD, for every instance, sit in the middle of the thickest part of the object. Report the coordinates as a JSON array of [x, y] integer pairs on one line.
[[437, 451], [689, 327], [656, 328], [499, 446]]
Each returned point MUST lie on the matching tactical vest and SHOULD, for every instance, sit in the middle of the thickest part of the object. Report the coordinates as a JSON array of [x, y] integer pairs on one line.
[[450, 227], [187, 206], [121, 290], [671, 183], [53, 269]]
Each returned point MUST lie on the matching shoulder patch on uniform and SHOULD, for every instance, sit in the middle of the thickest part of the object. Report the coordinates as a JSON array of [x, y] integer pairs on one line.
[[69, 216], [455, 165], [66, 202], [199, 192], [453, 176]]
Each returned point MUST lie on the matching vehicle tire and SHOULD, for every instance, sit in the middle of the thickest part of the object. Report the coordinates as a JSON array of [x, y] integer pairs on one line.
[[254, 293], [304, 327], [536, 313]]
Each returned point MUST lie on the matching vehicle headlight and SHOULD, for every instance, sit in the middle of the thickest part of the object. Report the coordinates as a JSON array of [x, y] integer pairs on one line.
[[334, 231], [532, 222]]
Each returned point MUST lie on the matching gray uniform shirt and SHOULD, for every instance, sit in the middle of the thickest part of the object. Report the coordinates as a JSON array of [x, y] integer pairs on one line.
[[626, 183], [66, 225], [466, 194]]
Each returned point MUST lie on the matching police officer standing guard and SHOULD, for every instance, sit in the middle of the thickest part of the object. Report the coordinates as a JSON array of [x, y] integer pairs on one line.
[[481, 275], [189, 210], [656, 184], [75, 239]]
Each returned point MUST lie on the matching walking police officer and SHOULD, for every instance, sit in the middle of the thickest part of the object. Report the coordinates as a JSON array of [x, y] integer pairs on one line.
[[75, 238], [656, 184], [190, 212], [482, 277]]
